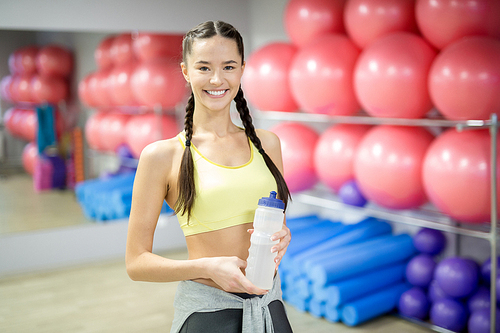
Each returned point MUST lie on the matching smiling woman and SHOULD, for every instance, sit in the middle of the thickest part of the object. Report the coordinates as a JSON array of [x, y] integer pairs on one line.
[[212, 174]]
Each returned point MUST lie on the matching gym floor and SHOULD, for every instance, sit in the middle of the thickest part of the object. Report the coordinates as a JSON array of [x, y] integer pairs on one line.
[[101, 297]]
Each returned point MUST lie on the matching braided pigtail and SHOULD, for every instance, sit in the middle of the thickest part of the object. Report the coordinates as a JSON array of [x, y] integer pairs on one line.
[[185, 183], [246, 119]]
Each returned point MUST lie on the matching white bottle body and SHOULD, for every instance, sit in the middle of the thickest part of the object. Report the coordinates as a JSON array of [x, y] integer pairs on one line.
[[260, 262]]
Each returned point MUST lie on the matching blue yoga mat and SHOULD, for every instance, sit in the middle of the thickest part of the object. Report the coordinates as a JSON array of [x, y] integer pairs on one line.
[[317, 308], [374, 305], [351, 289], [362, 258]]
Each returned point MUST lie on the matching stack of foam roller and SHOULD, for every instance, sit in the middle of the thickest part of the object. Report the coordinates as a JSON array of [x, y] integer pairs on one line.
[[344, 272], [108, 199]]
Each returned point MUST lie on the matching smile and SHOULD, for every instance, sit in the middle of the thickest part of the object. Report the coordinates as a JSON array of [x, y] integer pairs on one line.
[[216, 92]]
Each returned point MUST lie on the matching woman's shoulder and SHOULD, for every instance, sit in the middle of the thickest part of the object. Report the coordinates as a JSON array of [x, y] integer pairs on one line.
[[269, 140], [162, 151]]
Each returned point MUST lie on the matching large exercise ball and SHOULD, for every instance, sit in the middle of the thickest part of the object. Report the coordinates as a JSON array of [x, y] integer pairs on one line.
[[149, 46], [367, 20], [307, 19], [390, 77], [463, 80], [297, 146], [457, 276], [420, 270], [92, 130], [5, 85], [414, 303], [29, 129], [388, 165], [120, 89], [480, 321], [121, 50], [443, 22], [321, 76], [51, 89], [486, 270], [480, 299], [112, 130], [158, 82], [102, 54], [144, 129], [54, 60], [30, 157], [21, 88], [86, 88], [456, 174], [350, 194], [435, 292], [101, 88], [266, 79], [23, 60], [449, 313], [334, 154], [429, 241]]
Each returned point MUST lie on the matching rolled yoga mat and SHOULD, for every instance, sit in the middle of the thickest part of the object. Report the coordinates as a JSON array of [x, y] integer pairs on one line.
[[317, 308], [332, 314], [362, 258], [352, 234], [371, 306]]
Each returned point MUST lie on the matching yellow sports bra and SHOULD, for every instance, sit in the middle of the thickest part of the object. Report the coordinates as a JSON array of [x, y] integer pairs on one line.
[[225, 196]]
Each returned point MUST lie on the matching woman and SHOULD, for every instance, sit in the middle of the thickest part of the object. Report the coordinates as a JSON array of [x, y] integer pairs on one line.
[[213, 174]]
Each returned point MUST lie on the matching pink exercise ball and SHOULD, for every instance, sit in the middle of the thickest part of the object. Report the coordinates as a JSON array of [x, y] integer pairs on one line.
[[51, 89], [307, 19], [321, 76], [7, 120], [5, 85], [463, 80], [92, 130], [23, 60], [54, 60], [14, 119], [158, 82], [144, 129], [390, 78], [388, 165], [443, 22], [334, 154], [21, 88], [119, 84], [266, 77], [102, 91], [102, 54], [29, 157], [297, 145], [121, 50], [149, 46], [456, 174], [30, 125], [112, 130], [367, 20]]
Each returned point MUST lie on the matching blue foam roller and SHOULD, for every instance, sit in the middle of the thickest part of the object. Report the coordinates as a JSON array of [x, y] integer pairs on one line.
[[348, 290], [319, 293], [332, 314], [303, 287], [299, 303], [317, 308], [369, 307], [362, 258], [353, 234], [303, 222]]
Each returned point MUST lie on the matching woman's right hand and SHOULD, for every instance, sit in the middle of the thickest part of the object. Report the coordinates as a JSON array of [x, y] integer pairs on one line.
[[227, 272]]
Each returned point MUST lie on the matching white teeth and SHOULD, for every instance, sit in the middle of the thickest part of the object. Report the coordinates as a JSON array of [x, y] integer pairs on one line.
[[216, 92]]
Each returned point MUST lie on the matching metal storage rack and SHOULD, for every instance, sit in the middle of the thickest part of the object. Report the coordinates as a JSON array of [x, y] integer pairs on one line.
[[421, 218]]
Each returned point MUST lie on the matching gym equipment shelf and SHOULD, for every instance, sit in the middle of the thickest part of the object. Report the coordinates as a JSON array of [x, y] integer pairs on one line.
[[425, 216]]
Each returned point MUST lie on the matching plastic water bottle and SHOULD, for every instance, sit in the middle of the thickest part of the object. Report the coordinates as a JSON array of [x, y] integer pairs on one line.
[[267, 221]]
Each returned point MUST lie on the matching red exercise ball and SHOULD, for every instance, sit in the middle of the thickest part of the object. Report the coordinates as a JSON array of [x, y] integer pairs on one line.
[[51, 89], [112, 130], [390, 78], [29, 129], [23, 60], [101, 90], [21, 88], [120, 89], [92, 129], [14, 121], [88, 90], [367, 20], [307, 19], [149, 46], [144, 129], [297, 145], [388, 165], [321, 76], [7, 120], [102, 54], [266, 81], [54, 60], [5, 84], [30, 157], [463, 80], [158, 82], [456, 174], [334, 154], [121, 50], [443, 22]]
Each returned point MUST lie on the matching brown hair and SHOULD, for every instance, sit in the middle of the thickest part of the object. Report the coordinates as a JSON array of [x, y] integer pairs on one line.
[[186, 186]]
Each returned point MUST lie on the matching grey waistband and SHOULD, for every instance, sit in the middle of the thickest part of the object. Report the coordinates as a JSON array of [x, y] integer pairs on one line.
[[194, 297]]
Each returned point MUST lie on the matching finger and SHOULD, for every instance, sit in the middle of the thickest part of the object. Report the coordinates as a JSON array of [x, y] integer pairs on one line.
[[250, 231], [279, 235]]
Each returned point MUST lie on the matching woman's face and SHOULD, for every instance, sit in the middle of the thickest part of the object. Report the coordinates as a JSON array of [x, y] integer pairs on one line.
[[214, 69]]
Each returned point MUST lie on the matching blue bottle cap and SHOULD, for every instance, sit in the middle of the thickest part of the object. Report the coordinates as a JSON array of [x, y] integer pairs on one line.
[[271, 201]]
